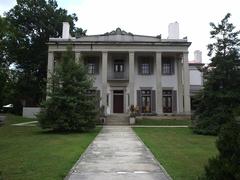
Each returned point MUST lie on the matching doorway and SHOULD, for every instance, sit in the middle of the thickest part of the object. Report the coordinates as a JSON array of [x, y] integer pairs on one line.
[[118, 96]]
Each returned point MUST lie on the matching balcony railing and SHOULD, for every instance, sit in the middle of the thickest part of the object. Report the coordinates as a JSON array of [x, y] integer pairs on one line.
[[118, 76]]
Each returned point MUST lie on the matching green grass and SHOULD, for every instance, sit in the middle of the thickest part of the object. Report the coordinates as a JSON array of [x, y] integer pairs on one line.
[[162, 122], [181, 153], [31, 153]]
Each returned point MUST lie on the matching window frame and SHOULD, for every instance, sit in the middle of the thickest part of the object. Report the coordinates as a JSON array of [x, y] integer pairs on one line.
[[168, 66]]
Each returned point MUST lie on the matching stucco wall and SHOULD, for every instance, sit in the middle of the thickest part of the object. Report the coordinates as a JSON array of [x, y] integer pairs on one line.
[[195, 77]]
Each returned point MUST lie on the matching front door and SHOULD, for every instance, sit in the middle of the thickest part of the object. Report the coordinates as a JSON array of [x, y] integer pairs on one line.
[[118, 101]]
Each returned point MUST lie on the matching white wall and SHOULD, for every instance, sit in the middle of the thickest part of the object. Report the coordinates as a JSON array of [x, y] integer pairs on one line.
[[195, 77]]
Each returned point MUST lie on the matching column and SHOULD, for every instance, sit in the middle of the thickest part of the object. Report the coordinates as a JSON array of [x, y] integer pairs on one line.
[[50, 69], [104, 80], [186, 89], [180, 86], [78, 57], [131, 78], [159, 83]]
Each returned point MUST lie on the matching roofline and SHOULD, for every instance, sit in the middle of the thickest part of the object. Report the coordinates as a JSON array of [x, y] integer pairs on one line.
[[75, 42]]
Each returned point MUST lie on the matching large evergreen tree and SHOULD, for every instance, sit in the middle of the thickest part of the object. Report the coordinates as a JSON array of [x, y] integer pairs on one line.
[[226, 166], [70, 106], [33, 22], [221, 93]]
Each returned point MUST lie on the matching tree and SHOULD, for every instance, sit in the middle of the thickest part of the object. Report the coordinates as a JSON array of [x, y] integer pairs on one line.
[[221, 93], [226, 165], [33, 22], [69, 106]]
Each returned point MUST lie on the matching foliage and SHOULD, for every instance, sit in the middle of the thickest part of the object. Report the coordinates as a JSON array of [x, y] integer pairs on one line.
[[226, 165], [221, 91], [32, 24], [69, 107]]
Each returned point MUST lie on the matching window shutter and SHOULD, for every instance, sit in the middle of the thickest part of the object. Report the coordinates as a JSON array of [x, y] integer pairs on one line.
[[172, 66], [139, 104], [153, 99], [174, 101], [139, 66], [97, 66], [151, 66]]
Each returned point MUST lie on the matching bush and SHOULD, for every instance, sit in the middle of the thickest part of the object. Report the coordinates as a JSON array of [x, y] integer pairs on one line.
[[226, 166], [69, 106]]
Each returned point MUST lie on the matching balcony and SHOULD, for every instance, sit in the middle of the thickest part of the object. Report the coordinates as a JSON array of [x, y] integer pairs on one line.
[[118, 76]]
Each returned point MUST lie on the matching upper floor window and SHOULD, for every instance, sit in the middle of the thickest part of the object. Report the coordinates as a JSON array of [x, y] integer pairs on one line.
[[145, 65], [91, 68], [145, 68], [91, 63], [118, 66], [167, 66]]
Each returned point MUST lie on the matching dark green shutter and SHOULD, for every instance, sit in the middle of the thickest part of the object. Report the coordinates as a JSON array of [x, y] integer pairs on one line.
[[97, 65], [172, 66], [98, 97], [139, 104], [174, 101], [153, 99], [151, 66], [139, 66]]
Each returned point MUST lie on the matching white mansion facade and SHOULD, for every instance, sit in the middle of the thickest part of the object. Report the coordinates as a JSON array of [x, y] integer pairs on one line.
[[148, 72]]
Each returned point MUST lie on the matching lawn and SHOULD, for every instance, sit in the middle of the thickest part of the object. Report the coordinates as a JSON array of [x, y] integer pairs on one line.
[[167, 122], [182, 153], [30, 153]]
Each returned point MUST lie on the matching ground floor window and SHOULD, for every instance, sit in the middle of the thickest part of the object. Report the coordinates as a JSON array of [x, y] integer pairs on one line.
[[167, 101], [146, 101]]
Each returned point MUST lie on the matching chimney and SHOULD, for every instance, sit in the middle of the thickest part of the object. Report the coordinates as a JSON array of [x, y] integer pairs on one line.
[[65, 30], [198, 56], [173, 30]]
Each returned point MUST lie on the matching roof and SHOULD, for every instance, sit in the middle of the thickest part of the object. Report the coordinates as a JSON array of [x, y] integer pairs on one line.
[[121, 36]]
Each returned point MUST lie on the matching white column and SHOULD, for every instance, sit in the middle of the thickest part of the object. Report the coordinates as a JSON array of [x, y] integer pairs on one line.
[[186, 91], [78, 57], [159, 83], [104, 79], [131, 78], [180, 86], [50, 69]]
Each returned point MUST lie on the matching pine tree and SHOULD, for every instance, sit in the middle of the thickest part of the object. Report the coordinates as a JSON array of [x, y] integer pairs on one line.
[[221, 93], [69, 107], [226, 166]]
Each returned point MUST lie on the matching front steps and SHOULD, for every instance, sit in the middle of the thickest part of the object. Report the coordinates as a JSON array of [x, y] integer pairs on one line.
[[117, 119]]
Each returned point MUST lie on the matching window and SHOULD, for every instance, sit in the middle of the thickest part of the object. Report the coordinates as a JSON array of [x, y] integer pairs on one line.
[[167, 67], [92, 64], [145, 65], [91, 68], [145, 68], [167, 101], [118, 66], [146, 101]]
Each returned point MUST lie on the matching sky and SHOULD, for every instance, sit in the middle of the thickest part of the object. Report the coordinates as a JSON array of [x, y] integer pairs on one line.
[[150, 17]]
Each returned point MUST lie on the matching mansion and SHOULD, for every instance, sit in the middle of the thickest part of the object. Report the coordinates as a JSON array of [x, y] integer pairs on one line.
[[148, 72]]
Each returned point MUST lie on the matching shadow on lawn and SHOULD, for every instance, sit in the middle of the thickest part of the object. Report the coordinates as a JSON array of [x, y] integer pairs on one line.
[[64, 132]]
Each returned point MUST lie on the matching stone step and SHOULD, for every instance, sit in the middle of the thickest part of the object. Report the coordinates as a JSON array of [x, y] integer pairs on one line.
[[117, 119]]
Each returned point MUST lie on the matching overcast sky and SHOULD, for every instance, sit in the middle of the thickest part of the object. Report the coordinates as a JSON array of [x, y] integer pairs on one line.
[[150, 17]]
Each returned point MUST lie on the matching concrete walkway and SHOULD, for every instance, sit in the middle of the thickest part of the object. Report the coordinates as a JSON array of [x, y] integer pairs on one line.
[[117, 154]]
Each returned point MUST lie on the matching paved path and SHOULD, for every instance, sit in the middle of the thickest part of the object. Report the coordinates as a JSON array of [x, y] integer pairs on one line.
[[117, 154], [30, 123], [161, 126]]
